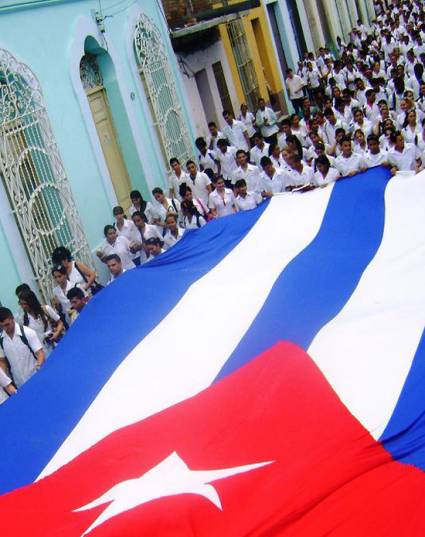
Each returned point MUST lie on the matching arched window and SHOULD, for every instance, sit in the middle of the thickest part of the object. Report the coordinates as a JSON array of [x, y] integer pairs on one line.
[[33, 174], [157, 77]]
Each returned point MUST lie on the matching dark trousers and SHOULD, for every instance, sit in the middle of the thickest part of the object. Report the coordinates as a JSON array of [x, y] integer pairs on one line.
[[297, 104], [271, 139]]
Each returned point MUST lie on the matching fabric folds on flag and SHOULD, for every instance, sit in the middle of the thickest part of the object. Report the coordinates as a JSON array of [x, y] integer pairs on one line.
[[264, 377]]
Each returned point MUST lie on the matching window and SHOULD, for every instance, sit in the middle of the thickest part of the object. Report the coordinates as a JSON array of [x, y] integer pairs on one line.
[[158, 81], [33, 174]]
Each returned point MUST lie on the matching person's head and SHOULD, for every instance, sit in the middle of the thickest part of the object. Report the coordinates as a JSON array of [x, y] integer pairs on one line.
[[29, 302], [346, 146], [295, 162], [114, 264], [158, 194], [188, 208], [285, 126], [175, 165], [7, 321], [23, 287], [136, 198], [153, 246], [294, 145], [295, 121], [119, 215], [191, 167], [228, 117], [289, 73], [171, 222], [358, 116], [339, 134], [138, 220], [243, 109], [360, 84], [274, 151], [77, 299], [220, 184], [258, 140], [110, 233], [241, 157], [241, 187], [373, 144], [61, 256], [330, 116], [60, 275], [222, 145], [267, 166], [261, 103], [370, 96], [306, 104], [397, 140], [320, 147], [411, 118], [186, 192], [212, 127], [201, 144], [359, 137]]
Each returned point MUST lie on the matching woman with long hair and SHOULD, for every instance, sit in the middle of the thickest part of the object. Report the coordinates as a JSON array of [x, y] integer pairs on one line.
[[43, 319]]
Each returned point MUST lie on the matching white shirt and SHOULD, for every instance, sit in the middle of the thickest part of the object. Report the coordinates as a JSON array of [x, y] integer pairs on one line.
[[251, 175], [60, 295], [305, 177], [208, 161], [235, 135], [248, 121], [149, 231], [115, 276], [175, 182], [38, 326], [223, 205], [21, 360], [195, 222], [121, 247], [4, 383], [199, 186], [75, 277], [406, 160], [129, 231], [170, 239], [160, 212], [295, 87], [227, 162], [266, 121], [348, 165], [257, 154], [332, 175], [250, 201], [212, 141], [275, 184], [372, 160]]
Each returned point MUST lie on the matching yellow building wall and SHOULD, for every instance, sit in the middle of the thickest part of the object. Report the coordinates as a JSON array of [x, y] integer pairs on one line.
[[262, 52]]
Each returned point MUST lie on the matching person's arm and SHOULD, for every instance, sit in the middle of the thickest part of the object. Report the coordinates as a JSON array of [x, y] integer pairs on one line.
[[209, 188], [89, 273], [40, 358]]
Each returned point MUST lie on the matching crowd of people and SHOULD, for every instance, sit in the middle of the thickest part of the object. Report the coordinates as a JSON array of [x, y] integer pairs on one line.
[[361, 109]]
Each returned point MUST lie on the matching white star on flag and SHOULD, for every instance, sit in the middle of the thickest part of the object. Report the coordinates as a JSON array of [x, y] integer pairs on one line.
[[170, 477]]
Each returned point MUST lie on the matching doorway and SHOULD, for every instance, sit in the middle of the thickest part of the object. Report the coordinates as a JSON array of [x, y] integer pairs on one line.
[[204, 90]]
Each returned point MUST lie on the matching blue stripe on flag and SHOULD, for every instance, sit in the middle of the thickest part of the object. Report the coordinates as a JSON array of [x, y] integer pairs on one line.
[[314, 287], [405, 432], [115, 321]]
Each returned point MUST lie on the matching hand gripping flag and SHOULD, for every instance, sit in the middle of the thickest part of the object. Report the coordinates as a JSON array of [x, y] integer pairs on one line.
[[263, 377]]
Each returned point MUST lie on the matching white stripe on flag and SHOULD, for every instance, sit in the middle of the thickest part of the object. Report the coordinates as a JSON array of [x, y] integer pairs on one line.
[[186, 351], [366, 351]]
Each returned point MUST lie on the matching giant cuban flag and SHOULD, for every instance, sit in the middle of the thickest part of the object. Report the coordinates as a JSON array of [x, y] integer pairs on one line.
[[264, 377]]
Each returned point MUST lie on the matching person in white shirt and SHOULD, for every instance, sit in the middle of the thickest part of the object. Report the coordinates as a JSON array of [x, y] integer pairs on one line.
[[139, 204], [114, 264], [200, 206], [222, 200], [177, 177], [146, 231], [284, 131], [276, 157], [214, 136], [21, 351], [162, 207], [301, 174], [371, 109], [78, 273], [349, 163], [314, 84], [267, 122], [272, 180], [260, 149], [248, 119], [375, 156], [199, 182], [402, 156], [127, 229], [114, 244], [360, 122], [295, 86], [192, 218], [411, 130], [324, 173], [42, 319], [249, 172], [226, 156], [174, 232], [235, 132], [207, 159], [60, 292], [246, 200], [154, 249]]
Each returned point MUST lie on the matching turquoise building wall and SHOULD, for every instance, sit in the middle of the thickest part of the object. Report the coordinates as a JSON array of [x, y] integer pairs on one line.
[[48, 36]]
